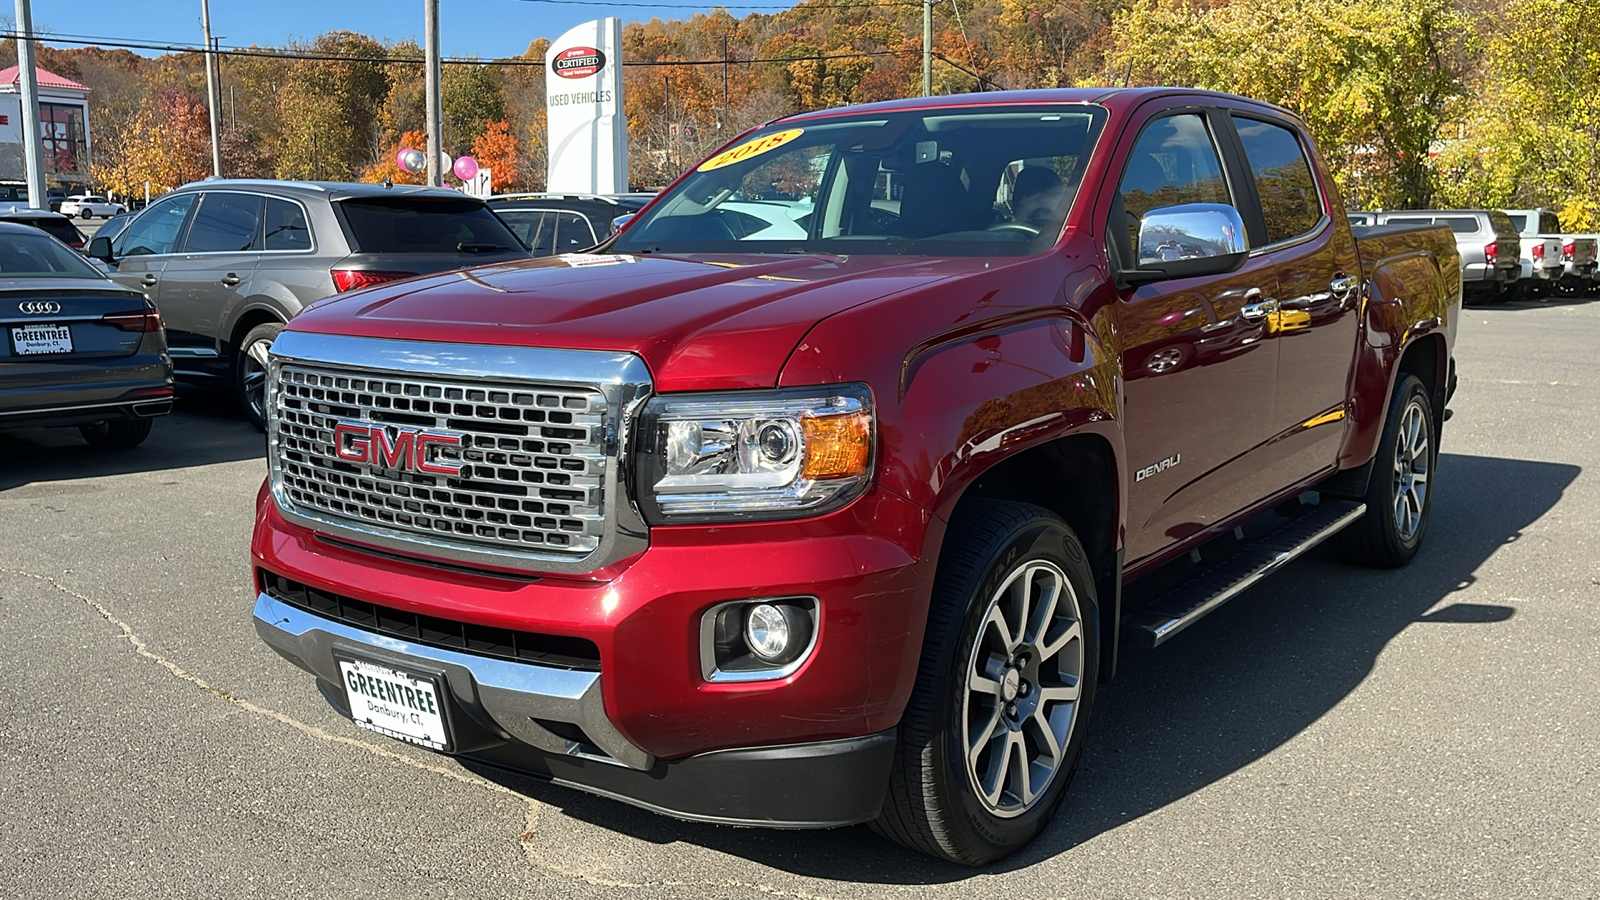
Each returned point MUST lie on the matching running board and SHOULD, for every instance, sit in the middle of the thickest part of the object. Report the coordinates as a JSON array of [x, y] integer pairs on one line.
[[1188, 603]]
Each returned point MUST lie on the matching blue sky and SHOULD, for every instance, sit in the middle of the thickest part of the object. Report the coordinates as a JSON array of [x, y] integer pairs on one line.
[[486, 28]]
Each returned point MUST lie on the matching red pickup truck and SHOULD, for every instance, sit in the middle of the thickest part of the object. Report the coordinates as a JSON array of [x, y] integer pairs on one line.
[[825, 491]]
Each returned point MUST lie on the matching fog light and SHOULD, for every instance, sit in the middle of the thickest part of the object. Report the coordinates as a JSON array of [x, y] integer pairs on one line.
[[766, 631]]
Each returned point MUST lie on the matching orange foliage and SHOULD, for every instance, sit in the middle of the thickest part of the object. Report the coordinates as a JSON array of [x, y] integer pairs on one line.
[[387, 167], [496, 150]]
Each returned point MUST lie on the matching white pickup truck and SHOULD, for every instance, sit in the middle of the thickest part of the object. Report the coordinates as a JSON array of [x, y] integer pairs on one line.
[[1577, 252]]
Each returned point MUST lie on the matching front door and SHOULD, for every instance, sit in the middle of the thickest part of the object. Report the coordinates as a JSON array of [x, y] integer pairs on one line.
[[211, 270], [144, 248], [1199, 375]]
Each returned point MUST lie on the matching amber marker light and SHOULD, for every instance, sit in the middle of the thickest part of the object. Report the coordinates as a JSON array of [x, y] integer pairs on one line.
[[836, 446]]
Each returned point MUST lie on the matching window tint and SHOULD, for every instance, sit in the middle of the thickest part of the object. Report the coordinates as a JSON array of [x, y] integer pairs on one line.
[[424, 225], [1175, 162], [1409, 220], [1549, 224], [156, 229], [1520, 222], [36, 256], [1289, 199], [226, 222], [1460, 224], [285, 227], [573, 233], [60, 229]]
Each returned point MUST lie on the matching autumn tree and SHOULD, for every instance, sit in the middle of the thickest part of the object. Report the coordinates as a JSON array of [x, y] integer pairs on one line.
[[387, 167], [496, 150]]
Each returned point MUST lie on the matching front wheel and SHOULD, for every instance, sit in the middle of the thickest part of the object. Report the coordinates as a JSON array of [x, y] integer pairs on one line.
[[250, 372], [995, 725], [1400, 489]]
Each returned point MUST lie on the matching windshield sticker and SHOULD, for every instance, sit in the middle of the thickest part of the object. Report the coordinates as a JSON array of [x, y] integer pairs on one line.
[[751, 148], [585, 260]]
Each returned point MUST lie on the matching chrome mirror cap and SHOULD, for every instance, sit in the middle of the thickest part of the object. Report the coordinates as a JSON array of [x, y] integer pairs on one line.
[[1190, 231]]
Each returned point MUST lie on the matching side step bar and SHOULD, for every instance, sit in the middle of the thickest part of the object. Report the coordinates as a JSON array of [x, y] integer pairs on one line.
[[1188, 603]]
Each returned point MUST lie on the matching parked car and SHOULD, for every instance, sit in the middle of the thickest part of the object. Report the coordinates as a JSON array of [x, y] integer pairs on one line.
[[56, 225], [809, 530], [548, 224], [1490, 247], [55, 197], [87, 206], [78, 349], [1577, 252], [113, 226], [228, 262]]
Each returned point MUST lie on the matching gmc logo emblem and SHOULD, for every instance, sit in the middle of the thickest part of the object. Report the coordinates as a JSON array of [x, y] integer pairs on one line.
[[393, 448]]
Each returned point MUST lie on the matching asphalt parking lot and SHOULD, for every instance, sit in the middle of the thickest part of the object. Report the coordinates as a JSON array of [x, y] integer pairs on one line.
[[1335, 732]]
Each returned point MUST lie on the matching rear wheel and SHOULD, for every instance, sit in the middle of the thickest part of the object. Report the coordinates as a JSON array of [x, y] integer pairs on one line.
[[85, 214], [995, 725], [117, 434], [1400, 489], [250, 372]]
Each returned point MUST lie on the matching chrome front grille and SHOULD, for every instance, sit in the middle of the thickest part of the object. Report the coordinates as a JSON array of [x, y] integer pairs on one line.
[[538, 466]]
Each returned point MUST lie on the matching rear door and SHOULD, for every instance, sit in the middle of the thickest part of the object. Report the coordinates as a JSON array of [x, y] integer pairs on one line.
[[1200, 377], [211, 270], [1318, 271], [142, 250]]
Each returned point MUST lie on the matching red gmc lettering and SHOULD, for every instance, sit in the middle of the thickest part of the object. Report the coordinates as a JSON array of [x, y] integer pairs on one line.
[[392, 457], [372, 445], [351, 442], [423, 465]]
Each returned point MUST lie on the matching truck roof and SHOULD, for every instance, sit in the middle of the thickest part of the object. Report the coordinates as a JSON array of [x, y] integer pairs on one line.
[[1107, 96]]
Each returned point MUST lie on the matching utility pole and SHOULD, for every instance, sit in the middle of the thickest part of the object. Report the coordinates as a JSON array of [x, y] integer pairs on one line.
[[32, 136], [724, 122], [213, 100], [927, 48], [430, 52]]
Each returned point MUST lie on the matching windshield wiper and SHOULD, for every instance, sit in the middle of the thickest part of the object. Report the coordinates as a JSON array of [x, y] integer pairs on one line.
[[479, 248]]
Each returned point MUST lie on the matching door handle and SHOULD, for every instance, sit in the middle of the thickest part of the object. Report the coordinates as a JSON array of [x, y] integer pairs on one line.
[[230, 279], [149, 280], [1256, 311], [1343, 286]]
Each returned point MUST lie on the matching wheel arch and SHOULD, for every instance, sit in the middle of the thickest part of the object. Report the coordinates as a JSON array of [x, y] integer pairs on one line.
[[1075, 477], [250, 317]]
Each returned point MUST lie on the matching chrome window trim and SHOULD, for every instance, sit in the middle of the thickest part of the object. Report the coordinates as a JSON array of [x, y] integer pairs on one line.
[[622, 378], [1325, 220]]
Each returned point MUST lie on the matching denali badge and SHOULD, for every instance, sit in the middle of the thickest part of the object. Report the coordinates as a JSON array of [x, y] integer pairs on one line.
[[1158, 468], [38, 307], [392, 447]]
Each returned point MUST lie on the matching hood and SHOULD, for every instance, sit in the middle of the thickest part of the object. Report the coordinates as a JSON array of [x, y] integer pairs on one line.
[[700, 323]]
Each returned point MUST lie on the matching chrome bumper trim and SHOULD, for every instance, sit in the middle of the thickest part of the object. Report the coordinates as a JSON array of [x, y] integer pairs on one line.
[[512, 694]]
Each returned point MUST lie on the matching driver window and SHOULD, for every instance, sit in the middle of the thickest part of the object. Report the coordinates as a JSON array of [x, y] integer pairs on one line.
[[1174, 162], [155, 231]]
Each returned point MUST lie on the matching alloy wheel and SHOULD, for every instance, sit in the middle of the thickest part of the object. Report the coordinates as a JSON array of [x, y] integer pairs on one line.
[[1022, 688], [1412, 467], [254, 376]]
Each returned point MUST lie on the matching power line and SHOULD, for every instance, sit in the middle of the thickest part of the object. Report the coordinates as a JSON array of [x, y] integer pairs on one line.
[[88, 41], [849, 4]]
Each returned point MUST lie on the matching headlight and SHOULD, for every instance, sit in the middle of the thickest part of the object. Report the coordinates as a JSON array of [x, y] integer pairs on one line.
[[753, 454]]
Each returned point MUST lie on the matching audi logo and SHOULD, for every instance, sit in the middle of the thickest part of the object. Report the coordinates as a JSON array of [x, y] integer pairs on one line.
[[39, 307]]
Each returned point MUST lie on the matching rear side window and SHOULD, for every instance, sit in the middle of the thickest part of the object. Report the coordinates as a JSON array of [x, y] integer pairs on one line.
[[225, 223], [1461, 224], [1519, 222], [1549, 224], [36, 256], [1290, 202], [424, 225], [285, 227], [1409, 220], [529, 227], [60, 229]]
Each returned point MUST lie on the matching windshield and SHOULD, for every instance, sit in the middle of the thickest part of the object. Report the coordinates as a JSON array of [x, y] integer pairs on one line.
[[942, 182], [37, 256]]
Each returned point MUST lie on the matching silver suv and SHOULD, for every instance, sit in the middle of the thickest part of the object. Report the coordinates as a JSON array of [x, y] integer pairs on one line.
[[228, 262], [1490, 247]]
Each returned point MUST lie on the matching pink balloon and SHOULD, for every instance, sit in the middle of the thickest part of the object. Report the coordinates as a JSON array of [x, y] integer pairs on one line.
[[466, 168], [410, 160]]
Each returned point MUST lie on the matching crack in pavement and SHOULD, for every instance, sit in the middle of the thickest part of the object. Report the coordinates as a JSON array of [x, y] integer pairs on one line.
[[526, 839]]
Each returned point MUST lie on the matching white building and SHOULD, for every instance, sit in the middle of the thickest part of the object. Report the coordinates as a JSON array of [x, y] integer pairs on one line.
[[64, 121]]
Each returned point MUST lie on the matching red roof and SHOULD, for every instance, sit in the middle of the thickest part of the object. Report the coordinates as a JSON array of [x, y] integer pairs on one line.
[[13, 75]]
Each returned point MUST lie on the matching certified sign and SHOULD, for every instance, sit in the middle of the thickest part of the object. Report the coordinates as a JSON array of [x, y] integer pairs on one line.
[[578, 62], [751, 148]]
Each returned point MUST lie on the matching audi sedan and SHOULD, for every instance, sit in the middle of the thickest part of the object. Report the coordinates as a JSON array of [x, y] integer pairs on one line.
[[78, 350]]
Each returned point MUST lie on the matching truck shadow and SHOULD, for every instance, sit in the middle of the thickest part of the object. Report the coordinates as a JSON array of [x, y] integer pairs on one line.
[[204, 427], [1229, 691]]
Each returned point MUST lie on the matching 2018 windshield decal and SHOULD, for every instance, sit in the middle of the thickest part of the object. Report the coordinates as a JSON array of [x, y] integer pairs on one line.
[[751, 148]]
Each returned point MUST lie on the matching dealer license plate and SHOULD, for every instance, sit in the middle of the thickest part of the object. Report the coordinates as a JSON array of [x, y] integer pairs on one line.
[[398, 704], [38, 339]]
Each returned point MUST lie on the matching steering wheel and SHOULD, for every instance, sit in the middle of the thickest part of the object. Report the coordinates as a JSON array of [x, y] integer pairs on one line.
[[1028, 230]]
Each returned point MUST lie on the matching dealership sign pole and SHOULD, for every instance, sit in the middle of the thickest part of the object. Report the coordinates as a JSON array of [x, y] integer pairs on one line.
[[32, 146], [588, 137]]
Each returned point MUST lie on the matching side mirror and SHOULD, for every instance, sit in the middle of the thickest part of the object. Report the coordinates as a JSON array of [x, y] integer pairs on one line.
[[100, 248], [621, 222], [1189, 240]]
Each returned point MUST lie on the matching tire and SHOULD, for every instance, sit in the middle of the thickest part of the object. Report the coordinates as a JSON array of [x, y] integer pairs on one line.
[[1399, 491], [86, 214], [250, 372], [975, 808], [117, 434]]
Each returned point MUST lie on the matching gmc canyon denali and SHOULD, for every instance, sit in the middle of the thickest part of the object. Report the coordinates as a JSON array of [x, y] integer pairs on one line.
[[844, 522]]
